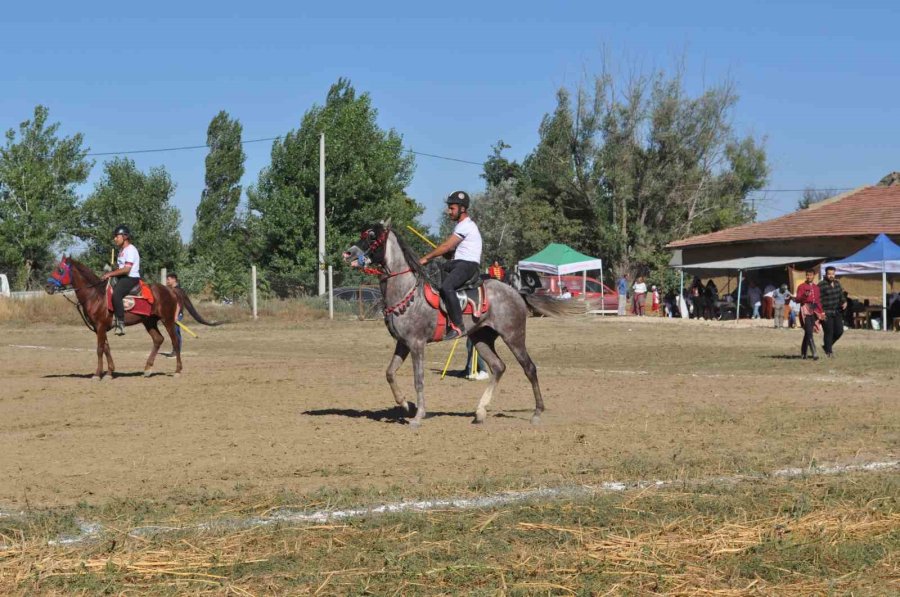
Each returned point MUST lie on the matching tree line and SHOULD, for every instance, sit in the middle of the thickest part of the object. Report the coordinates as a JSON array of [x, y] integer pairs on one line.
[[616, 173]]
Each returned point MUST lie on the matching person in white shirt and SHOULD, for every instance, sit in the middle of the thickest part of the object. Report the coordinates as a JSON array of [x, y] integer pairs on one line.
[[640, 295], [465, 244], [128, 272]]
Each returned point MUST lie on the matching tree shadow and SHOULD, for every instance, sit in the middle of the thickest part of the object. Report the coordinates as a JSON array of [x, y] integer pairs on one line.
[[393, 415]]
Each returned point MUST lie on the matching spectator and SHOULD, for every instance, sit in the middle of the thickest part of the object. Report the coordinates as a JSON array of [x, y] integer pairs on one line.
[[669, 301], [496, 271], [780, 298], [768, 305], [695, 298], [809, 297], [754, 295], [654, 303], [640, 295], [480, 373], [832, 296], [622, 287], [794, 315]]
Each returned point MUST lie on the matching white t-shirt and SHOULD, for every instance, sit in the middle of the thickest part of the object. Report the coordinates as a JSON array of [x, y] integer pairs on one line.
[[470, 247], [640, 288], [130, 255]]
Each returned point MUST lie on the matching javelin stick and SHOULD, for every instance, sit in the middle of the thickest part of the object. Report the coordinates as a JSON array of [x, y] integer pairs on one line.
[[186, 328], [447, 364], [420, 235]]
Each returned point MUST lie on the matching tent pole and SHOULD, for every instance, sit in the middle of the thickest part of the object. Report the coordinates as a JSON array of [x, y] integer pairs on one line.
[[884, 321], [737, 312], [681, 289], [584, 284]]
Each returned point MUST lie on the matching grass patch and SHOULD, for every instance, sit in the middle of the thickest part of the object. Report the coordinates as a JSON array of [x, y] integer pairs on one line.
[[836, 534]]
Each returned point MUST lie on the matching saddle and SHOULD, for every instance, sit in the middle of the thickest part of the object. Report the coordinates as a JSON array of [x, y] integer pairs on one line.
[[472, 300], [138, 301]]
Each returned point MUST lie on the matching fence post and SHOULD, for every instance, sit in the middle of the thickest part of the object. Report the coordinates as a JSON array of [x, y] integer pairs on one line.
[[162, 276], [330, 292], [253, 289]]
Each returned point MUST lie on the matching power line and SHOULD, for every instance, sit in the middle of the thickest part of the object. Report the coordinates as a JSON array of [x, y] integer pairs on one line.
[[430, 155]]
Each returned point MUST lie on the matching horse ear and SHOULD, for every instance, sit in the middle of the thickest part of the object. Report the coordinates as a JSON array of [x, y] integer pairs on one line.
[[386, 223]]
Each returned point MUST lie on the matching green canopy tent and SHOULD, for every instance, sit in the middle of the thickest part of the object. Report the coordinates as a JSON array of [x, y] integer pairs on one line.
[[558, 260]]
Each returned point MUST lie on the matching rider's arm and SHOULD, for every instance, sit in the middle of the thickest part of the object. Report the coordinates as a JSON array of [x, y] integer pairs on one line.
[[122, 271], [445, 247]]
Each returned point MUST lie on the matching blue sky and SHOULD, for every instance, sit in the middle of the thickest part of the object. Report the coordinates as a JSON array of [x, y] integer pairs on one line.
[[817, 79]]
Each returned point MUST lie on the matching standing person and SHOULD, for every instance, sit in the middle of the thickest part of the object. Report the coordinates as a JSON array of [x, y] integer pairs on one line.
[[832, 296], [755, 296], [622, 288], [128, 272], [781, 297], [768, 304], [480, 372], [640, 294], [810, 301], [465, 243], [172, 282], [654, 305], [496, 271]]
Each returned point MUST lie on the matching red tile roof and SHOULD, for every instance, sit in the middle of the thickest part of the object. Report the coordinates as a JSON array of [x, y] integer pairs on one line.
[[863, 211]]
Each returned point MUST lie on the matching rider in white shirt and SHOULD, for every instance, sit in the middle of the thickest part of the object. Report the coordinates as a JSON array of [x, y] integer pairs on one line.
[[128, 272], [465, 243]]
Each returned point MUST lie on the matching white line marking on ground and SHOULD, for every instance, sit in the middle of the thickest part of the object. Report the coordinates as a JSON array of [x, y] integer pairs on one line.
[[92, 530]]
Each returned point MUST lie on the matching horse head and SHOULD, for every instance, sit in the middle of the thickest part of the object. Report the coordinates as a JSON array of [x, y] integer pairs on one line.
[[61, 276], [369, 248]]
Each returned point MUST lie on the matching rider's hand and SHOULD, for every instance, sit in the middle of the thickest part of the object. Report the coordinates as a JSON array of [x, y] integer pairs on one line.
[[423, 261], [105, 276]]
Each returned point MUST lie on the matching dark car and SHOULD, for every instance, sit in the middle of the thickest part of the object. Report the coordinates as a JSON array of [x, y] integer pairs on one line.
[[369, 295], [596, 293]]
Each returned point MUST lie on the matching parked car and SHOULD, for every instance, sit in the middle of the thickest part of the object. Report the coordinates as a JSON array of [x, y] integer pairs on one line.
[[574, 284]]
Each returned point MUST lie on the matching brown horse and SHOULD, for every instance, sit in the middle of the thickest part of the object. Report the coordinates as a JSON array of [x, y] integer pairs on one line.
[[90, 291]]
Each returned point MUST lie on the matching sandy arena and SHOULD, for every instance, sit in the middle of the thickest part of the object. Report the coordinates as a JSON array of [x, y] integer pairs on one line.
[[268, 407]]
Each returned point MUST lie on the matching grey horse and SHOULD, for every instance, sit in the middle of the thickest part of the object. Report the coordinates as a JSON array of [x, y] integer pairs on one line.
[[412, 321]]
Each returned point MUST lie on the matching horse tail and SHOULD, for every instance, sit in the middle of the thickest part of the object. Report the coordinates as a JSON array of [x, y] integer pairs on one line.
[[551, 307], [193, 311]]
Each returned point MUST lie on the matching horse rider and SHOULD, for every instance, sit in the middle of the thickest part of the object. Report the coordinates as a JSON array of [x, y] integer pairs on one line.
[[465, 244], [128, 272]]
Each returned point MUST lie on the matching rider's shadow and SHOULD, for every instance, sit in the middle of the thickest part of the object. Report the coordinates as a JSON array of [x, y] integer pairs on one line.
[[393, 415]]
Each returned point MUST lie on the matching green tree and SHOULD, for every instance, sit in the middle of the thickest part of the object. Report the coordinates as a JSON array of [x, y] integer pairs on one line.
[[366, 172], [217, 211], [38, 204], [141, 201], [219, 243], [812, 195]]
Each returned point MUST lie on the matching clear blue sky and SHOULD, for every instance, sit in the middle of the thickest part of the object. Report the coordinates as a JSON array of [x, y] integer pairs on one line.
[[818, 79]]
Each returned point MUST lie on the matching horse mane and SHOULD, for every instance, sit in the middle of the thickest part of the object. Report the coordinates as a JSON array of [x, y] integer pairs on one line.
[[85, 271], [412, 259]]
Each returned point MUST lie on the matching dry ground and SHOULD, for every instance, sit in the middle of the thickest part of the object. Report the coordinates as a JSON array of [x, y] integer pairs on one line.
[[268, 407]]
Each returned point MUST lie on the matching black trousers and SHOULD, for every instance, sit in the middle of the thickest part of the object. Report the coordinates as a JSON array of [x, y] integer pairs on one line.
[[124, 285], [833, 328], [809, 325], [458, 272]]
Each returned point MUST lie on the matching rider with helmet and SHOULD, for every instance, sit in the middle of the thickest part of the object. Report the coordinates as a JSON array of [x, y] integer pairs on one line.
[[128, 272], [465, 244]]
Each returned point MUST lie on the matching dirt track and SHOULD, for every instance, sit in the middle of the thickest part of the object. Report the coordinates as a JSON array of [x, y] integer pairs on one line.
[[267, 407]]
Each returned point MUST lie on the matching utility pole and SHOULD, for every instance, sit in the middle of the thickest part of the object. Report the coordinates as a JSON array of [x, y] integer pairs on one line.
[[322, 214]]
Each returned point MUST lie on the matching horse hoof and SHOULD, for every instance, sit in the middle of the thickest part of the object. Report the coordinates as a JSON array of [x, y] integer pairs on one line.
[[148, 373], [95, 378], [480, 417], [414, 424], [536, 420], [177, 375]]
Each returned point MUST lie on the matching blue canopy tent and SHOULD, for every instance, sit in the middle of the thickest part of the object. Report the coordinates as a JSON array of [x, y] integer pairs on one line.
[[882, 256]]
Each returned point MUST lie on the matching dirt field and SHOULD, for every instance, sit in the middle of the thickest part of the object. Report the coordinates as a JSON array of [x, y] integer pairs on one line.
[[269, 407]]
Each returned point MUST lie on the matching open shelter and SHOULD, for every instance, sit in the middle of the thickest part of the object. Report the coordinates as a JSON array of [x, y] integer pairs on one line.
[[557, 259]]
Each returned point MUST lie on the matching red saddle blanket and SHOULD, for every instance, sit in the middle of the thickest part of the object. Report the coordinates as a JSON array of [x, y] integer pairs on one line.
[[433, 298], [139, 305]]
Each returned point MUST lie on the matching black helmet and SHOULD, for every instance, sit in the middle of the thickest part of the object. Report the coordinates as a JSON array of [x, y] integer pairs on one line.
[[458, 198], [123, 230]]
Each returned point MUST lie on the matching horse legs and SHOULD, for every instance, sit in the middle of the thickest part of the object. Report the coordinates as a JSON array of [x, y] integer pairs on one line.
[[418, 361], [102, 349], [516, 343], [109, 359], [150, 325], [400, 353], [484, 343]]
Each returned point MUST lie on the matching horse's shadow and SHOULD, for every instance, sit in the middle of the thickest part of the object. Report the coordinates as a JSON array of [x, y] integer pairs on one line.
[[783, 357], [116, 375], [393, 415]]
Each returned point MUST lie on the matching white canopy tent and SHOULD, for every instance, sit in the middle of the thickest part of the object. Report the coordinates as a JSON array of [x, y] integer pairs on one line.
[[880, 257]]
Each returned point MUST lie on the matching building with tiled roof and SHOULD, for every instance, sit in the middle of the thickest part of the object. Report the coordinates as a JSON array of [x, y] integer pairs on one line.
[[830, 229]]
